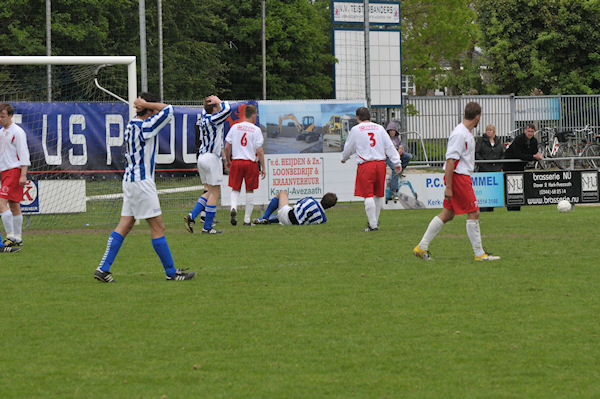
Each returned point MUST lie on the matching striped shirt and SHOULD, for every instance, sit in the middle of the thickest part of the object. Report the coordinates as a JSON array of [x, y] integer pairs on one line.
[[211, 130], [141, 145], [309, 211]]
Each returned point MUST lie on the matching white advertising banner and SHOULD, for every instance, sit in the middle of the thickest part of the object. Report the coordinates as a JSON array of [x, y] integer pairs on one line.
[[53, 196], [379, 13]]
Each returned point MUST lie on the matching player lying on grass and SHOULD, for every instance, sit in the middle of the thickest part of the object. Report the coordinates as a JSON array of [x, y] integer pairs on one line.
[[306, 211], [140, 199]]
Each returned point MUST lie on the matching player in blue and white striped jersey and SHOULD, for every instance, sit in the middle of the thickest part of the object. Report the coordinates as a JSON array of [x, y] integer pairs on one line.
[[210, 138], [306, 211], [140, 198]]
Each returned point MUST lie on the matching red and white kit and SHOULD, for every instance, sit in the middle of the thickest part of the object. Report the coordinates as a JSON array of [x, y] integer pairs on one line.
[[245, 139], [13, 154], [461, 147], [372, 144]]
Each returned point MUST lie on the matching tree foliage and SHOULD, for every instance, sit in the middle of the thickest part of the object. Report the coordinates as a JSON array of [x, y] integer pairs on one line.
[[210, 46], [438, 41], [539, 45]]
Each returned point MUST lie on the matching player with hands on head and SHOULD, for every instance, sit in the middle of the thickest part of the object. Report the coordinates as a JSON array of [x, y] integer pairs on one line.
[[372, 145], [306, 211], [209, 138], [140, 198], [14, 162], [244, 145], [459, 197]]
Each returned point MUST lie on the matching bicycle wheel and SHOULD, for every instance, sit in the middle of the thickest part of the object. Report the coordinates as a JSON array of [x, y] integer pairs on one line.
[[591, 151], [564, 151], [544, 163]]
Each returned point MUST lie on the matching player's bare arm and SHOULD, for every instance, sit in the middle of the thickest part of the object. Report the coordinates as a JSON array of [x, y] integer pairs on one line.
[[227, 155], [23, 177], [261, 159], [141, 104], [448, 174]]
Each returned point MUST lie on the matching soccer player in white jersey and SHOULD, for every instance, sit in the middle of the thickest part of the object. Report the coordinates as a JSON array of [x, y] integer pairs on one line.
[[210, 131], [140, 199], [372, 145], [244, 143], [14, 162], [306, 211], [459, 197]]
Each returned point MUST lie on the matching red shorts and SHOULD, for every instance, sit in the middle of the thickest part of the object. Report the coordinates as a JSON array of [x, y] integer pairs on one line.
[[242, 169], [370, 179], [463, 197], [10, 188]]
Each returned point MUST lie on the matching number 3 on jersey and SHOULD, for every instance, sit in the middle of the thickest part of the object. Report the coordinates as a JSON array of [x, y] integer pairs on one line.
[[372, 139], [244, 140]]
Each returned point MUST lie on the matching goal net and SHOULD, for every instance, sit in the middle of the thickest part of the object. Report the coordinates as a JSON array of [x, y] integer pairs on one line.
[[74, 118]]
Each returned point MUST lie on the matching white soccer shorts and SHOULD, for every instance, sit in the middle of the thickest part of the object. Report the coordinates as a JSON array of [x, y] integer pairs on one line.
[[210, 169], [140, 199], [283, 214]]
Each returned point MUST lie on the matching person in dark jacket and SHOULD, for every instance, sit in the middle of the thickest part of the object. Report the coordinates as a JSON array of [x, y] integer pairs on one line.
[[489, 147], [525, 148]]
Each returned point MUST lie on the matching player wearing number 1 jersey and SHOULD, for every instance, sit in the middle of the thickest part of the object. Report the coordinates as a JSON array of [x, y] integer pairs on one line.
[[244, 144], [371, 144], [459, 196]]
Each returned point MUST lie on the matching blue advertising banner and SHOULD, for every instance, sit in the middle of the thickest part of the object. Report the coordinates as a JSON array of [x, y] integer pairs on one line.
[[88, 137]]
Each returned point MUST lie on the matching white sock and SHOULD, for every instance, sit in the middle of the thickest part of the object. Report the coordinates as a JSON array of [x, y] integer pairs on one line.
[[433, 229], [475, 236], [378, 206], [7, 220], [249, 207], [371, 211], [235, 195], [18, 226]]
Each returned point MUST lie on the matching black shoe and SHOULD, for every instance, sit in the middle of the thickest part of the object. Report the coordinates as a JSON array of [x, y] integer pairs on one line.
[[261, 221], [105, 277], [247, 224], [11, 243], [189, 223], [233, 215], [6, 249], [369, 228], [180, 274], [212, 231]]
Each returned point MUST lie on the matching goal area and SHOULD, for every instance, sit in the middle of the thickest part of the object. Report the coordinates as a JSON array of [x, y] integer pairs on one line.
[[74, 111]]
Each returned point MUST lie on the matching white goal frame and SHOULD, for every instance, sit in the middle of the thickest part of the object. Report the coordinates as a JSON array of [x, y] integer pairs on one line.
[[130, 61]]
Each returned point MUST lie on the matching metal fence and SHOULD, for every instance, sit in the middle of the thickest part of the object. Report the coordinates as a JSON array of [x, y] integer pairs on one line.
[[429, 120]]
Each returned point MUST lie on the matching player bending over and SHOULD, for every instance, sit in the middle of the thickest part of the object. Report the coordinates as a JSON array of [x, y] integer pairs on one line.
[[140, 199], [306, 211]]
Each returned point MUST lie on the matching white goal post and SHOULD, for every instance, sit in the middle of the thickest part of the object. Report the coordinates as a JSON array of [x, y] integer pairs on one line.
[[84, 60]]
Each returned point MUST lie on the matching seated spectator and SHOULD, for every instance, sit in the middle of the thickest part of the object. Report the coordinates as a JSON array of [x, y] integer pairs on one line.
[[405, 157]]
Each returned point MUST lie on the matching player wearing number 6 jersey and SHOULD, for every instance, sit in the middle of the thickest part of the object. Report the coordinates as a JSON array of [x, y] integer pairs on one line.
[[244, 144], [372, 145], [459, 196]]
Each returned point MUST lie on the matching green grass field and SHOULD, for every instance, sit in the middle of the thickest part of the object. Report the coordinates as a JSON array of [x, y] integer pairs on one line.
[[310, 312]]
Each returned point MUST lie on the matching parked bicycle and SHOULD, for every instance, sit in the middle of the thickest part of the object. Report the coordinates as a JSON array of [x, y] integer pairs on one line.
[[590, 148]]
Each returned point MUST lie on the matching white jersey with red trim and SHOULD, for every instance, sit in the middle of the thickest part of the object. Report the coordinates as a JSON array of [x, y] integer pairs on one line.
[[245, 138], [370, 142], [461, 146], [13, 148]]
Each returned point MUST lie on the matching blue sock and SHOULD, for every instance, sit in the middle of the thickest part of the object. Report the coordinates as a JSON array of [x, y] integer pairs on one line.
[[211, 210], [112, 249], [164, 253], [1, 245], [199, 207], [273, 205]]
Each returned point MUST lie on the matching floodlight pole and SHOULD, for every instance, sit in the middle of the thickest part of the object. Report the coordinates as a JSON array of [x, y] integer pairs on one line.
[[49, 48], [264, 53], [143, 61], [367, 55], [160, 52]]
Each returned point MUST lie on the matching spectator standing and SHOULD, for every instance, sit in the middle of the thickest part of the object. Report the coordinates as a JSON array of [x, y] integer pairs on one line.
[[489, 147]]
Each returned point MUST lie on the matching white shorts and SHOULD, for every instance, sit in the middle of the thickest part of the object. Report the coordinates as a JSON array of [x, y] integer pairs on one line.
[[210, 169], [283, 214], [140, 199]]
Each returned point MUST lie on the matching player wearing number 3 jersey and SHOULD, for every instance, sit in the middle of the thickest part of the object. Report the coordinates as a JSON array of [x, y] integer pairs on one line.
[[372, 145], [243, 146]]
